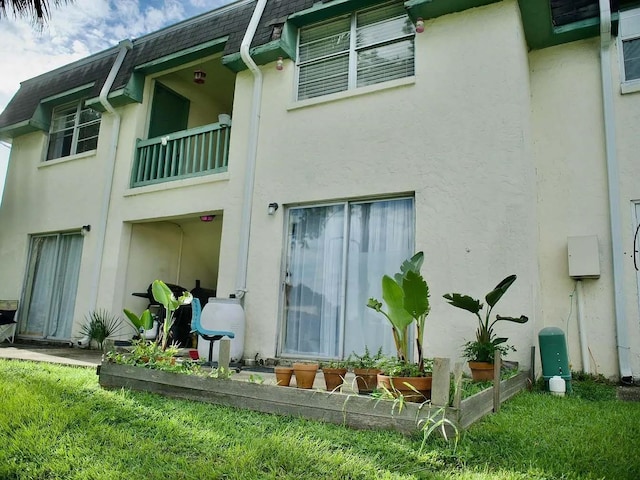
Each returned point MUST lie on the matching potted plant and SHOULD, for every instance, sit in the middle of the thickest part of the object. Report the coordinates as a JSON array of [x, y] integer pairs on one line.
[[283, 375], [334, 372], [305, 374], [366, 368], [407, 300], [480, 352]]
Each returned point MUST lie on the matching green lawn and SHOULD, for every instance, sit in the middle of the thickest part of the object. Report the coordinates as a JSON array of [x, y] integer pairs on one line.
[[57, 423]]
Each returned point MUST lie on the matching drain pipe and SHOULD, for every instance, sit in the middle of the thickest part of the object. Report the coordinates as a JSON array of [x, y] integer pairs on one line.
[[252, 148], [622, 340], [125, 46]]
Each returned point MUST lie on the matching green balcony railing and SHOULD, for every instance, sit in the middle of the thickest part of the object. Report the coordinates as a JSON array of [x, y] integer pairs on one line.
[[187, 153]]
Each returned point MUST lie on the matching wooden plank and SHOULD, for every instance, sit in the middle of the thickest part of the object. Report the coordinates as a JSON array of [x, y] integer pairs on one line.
[[441, 382], [352, 410], [224, 353], [457, 379], [497, 364], [475, 407]]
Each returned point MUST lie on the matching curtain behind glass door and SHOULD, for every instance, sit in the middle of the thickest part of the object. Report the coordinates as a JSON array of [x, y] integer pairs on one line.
[[313, 281]]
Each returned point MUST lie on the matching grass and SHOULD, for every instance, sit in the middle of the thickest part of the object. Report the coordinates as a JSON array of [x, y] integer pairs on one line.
[[57, 423]]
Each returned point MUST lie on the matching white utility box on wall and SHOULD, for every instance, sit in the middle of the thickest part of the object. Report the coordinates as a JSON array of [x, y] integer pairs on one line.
[[584, 257]]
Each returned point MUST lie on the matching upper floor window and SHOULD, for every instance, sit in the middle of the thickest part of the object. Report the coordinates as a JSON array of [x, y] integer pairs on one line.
[[630, 48], [74, 129], [367, 47]]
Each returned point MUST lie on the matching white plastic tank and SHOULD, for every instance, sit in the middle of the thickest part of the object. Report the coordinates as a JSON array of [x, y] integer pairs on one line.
[[223, 314], [557, 386]]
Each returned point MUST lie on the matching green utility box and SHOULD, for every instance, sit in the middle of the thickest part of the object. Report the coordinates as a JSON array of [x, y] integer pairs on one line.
[[553, 353]]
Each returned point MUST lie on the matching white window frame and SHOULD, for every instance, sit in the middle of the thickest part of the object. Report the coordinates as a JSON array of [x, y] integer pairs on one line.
[[75, 129], [352, 52], [629, 29]]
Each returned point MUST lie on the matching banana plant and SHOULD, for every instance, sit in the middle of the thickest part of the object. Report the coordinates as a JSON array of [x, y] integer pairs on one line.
[[164, 296], [486, 341], [407, 298], [140, 323]]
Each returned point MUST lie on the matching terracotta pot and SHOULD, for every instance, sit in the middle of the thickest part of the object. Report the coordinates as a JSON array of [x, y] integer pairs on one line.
[[283, 376], [305, 374], [400, 386], [367, 379], [481, 371], [333, 377]]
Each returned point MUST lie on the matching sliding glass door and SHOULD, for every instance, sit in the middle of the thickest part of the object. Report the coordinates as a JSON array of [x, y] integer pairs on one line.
[[336, 256], [51, 286]]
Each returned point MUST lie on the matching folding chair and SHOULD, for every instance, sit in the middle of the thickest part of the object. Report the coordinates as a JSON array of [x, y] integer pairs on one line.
[[8, 323], [211, 335]]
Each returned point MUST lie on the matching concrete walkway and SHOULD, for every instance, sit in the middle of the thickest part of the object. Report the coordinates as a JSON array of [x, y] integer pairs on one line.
[[51, 354]]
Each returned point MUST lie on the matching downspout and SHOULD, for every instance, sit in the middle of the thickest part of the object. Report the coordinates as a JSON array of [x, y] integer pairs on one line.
[[252, 148], [622, 340], [125, 46]]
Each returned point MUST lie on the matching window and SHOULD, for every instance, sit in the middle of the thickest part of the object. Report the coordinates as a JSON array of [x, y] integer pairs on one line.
[[629, 43], [367, 47], [74, 129], [336, 257]]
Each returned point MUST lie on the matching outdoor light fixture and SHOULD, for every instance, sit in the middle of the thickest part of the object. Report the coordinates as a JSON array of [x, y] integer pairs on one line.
[[419, 25], [199, 76], [207, 218], [85, 229], [279, 64], [272, 208]]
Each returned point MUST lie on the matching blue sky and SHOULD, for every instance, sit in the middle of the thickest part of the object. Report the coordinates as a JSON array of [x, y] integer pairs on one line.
[[76, 31]]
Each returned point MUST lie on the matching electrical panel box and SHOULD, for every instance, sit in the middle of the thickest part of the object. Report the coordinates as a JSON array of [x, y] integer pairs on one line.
[[584, 257]]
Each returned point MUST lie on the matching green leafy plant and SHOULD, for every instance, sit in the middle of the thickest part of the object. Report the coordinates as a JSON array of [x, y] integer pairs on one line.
[[100, 325], [394, 367], [438, 421], [163, 295], [336, 363], [407, 299], [486, 342], [140, 323], [366, 360]]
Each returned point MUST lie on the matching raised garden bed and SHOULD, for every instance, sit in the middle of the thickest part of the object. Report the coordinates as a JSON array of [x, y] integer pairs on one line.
[[353, 410]]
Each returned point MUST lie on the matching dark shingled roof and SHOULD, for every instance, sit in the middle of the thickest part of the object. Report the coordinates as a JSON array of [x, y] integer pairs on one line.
[[231, 20]]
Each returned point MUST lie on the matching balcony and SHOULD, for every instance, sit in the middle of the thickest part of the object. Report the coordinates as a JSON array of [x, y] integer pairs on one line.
[[188, 153]]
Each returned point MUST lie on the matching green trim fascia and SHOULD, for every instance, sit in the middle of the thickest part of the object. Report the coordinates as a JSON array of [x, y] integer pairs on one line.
[[69, 95], [18, 129], [284, 47], [540, 32], [183, 56], [130, 93], [436, 8], [322, 11]]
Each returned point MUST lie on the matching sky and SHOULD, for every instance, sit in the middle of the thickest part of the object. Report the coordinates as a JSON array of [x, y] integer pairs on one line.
[[76, 31]]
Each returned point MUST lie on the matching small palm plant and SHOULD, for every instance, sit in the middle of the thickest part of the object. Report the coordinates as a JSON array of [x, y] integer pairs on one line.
[[100, 325], [483, 348]]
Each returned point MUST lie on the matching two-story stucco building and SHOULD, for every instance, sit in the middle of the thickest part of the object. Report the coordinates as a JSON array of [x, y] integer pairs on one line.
[[490, 134]]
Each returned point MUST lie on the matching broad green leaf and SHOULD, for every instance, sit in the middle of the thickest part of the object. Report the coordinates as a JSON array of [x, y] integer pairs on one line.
[[163, 295], [393, 295], [499, 290], [464, 302], [416, 294], [144, 321]]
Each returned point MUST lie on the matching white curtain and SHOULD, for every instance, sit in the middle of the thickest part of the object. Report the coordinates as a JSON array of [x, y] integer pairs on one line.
[[52, 283], [381, 237], [319, 320], [314, 281]]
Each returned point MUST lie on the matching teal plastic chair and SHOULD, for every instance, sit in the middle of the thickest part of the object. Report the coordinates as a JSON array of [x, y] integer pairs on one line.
[[211, 335]]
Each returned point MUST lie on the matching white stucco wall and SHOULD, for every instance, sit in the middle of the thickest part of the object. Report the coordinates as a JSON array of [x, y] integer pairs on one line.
[[459, 137], [573, 199]]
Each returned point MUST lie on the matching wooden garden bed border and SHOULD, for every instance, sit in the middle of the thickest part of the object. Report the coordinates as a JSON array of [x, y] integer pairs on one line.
[[356, 411]]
